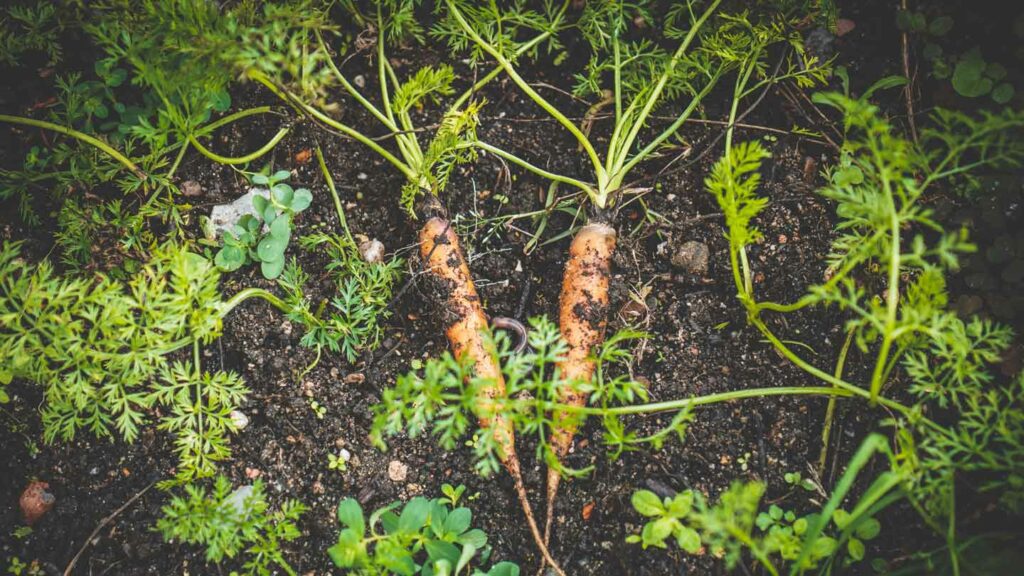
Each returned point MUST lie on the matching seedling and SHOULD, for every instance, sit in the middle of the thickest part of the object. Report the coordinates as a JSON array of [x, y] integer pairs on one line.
[[800, 543], [338, 462], [318, 409], [424, 537], [452, 494], [264, 236], [232, 522]]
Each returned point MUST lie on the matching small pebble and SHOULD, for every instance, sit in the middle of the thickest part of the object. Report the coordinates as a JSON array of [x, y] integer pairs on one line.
[[397, 471], [191, 188], [359, 81], [36, 501], [239, 419], [692, 257], [372, 251]]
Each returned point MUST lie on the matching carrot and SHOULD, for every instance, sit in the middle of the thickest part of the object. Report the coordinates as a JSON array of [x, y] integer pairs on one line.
[[466, 325], [582, 319]]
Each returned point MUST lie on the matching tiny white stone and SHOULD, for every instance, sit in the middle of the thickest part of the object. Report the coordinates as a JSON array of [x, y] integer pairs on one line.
[[361, 176], [359, 81], [345, 455], [372, 251], [239, 419]]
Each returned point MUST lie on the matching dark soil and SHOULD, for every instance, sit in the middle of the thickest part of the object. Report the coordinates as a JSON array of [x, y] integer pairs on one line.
[[700, 344]]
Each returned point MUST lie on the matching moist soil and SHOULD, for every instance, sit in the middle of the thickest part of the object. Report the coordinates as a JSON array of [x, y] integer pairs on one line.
[[700, 343]]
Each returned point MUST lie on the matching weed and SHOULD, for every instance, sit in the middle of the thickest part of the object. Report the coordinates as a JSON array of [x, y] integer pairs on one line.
[[727, 527], [422, 537], [264, 236]]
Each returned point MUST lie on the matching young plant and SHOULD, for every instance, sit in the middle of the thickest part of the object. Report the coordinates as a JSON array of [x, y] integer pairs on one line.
[[709, 47], [737, 524], [264, 235], [99, 348], [880, 188], [427, 537], [233, 522]]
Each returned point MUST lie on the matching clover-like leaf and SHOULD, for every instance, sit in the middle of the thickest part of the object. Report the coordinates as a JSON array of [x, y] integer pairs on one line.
[[301, 200], [229, 258], [272, 268]]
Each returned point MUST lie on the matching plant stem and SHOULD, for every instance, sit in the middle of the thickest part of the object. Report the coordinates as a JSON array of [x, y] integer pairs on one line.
[[680, 404], [241, 159], [892, 295], [537, 98], [535, 169], [652, 99], [497, 70], [103, 146], [334, 195], [830, 410]]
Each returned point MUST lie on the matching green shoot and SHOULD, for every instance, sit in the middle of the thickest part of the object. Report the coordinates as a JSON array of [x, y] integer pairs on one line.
[[247, 242], [233, 522], [423, 537], [643, 76]]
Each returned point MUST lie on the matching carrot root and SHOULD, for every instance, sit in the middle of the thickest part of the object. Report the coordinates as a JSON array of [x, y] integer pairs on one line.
[[465, 322], [582, 319]]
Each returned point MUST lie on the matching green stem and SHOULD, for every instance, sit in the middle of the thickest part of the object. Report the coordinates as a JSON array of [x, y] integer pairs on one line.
[[177, 160], [538, 99], [892, 296], [535, 169], [830, 410], [240, 159], [641, 118], [103, 146], [497, 70], [352, 89], [292, 100], [334, 195], [684, 403], [620, 173]]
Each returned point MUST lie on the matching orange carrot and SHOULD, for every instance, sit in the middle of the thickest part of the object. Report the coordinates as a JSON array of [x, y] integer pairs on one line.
[[582, 319], [466, 326]]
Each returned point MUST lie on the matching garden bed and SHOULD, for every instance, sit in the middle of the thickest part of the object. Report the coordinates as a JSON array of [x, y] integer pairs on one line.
[[700, 342]]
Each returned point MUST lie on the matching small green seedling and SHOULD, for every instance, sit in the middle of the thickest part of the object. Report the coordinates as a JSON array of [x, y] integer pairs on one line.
[[319, 410], [425, 537], [971, 75], [452, 494], [230, 522], [338, 461], [264, 237]]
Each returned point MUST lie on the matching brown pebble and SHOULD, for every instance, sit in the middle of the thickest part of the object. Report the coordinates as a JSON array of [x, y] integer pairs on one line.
[[588, 509], [355, 378], [303, 156], [35, 501]]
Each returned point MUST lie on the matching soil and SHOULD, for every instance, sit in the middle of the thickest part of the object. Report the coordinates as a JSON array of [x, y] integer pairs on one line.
[[700, 344]]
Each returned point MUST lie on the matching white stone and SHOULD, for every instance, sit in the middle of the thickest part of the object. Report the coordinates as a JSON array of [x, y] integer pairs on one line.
[[239, 419], [224, 216]]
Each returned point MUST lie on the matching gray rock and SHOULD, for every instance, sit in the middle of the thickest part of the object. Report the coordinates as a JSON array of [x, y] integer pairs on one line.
[[224, 216], [691, 257]]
